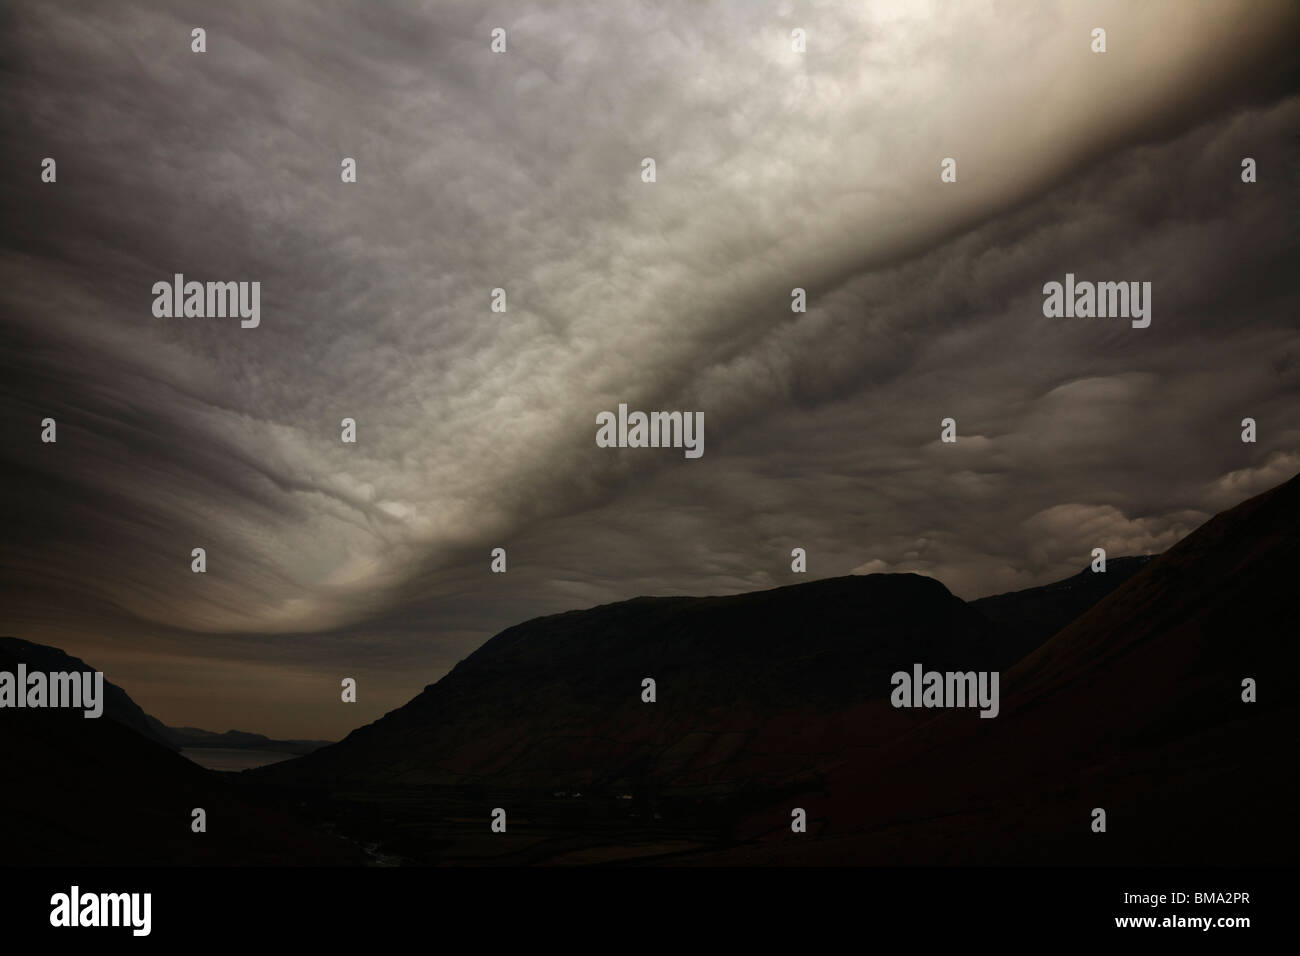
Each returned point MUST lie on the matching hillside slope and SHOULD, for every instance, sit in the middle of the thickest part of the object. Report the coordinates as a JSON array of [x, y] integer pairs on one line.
[[751, 689], [1135, 708]]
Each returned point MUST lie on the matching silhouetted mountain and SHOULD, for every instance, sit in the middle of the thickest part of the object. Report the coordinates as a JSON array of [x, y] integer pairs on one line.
[[1135, 708], [766, 702], [750, 689], [1032, 616], [101, 790], [192, 737], [778, 699], [118, 705]]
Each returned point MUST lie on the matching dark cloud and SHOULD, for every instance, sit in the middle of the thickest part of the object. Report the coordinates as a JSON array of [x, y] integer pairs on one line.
[[521, 171]]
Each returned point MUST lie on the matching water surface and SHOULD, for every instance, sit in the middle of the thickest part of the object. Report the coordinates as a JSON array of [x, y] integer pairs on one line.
[[232, 760]]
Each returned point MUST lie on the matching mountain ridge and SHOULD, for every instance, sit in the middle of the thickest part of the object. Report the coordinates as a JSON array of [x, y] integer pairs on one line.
[[102, 791], [119, 706], [1134, 707]]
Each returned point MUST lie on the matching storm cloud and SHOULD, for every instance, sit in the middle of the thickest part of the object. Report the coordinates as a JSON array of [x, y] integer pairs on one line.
[[522, 171]]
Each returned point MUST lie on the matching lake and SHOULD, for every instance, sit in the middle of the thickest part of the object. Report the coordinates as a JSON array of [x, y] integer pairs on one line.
[[233, 760]]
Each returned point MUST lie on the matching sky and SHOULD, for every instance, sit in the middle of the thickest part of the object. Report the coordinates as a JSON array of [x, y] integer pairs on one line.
[[476, 170]]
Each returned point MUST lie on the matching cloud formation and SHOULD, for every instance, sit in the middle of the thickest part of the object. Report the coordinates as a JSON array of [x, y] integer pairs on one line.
[[522, 171]]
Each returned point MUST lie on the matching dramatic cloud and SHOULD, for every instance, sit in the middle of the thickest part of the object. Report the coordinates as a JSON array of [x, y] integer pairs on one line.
[[522, 171]]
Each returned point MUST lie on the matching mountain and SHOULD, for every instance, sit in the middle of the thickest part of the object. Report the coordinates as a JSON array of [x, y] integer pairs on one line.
[[767, 702], [1135, 708], [778, 699], [107, 791], [750, 689], [1033, 615], [118, 705], [193, 738]]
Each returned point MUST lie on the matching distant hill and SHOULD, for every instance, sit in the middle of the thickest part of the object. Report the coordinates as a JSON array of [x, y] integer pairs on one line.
[[193, 738], [105, 791], [118, 705], [1035, 614]]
